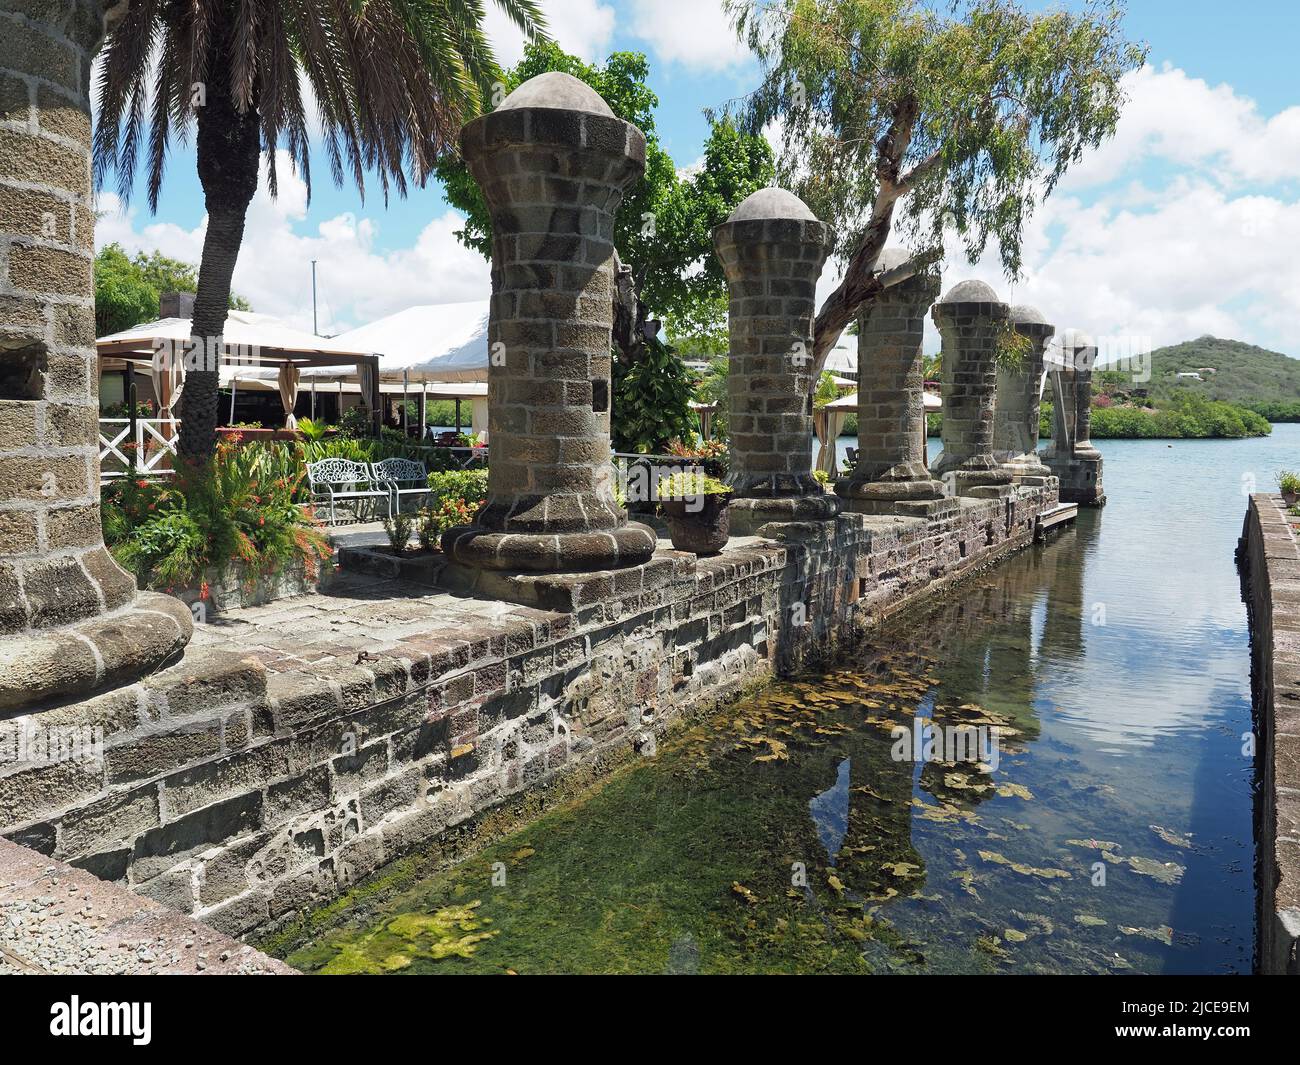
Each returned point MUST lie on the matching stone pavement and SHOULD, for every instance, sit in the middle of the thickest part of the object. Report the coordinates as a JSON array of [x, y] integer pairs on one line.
[[57, 919], [359, 614]]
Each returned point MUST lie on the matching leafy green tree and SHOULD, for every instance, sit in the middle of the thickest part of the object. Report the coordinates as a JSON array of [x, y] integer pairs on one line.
[[391, 81], [127, 289], [935, 124]]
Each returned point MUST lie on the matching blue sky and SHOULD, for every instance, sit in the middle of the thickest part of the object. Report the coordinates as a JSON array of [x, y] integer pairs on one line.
[[1184, 225]]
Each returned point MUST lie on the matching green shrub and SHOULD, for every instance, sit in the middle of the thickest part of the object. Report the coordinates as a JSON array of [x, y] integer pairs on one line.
[[398, 530], [246, 505], [468, 485]]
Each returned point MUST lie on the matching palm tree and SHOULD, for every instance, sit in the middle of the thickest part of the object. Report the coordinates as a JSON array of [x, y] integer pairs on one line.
[[392, 81]]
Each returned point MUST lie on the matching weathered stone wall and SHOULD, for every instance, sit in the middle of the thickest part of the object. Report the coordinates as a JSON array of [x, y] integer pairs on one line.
[[1269, 559], [242, 797]]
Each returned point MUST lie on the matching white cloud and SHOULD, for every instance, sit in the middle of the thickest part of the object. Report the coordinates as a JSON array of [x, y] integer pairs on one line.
[[1172, 268], [1184, 121], [356, 282], [695, 33], [581, 27]]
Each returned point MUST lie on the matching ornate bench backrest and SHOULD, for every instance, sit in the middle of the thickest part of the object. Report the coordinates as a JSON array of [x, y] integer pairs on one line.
[[400, 470], [337, 471]]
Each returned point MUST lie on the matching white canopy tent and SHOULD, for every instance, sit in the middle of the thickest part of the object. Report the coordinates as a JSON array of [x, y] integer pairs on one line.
[[828, 422], [260, 352], [443, 342]]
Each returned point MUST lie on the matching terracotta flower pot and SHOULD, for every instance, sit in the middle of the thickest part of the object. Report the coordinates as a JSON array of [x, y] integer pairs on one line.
[[702, 529]]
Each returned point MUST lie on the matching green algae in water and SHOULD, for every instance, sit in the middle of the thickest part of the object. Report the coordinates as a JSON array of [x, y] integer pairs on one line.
[[714, 858], [391, 946]]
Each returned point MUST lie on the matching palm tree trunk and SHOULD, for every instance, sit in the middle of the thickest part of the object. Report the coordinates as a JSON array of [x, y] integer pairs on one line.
[[228, 147]]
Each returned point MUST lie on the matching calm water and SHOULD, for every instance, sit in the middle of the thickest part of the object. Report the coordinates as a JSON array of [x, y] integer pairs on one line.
[[1114, 833]]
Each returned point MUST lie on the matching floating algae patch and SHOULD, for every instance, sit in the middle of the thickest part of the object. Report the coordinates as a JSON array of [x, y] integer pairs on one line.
[[786, 834]]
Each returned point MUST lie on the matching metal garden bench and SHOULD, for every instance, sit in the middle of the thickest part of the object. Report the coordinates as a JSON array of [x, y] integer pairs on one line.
[[334, 481], [403, 477]]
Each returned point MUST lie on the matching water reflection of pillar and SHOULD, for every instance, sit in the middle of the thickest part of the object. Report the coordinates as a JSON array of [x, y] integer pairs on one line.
[[878, 829], [1064, 562]]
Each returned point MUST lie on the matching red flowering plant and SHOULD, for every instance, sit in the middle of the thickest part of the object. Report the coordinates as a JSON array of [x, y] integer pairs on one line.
[[447, 513]]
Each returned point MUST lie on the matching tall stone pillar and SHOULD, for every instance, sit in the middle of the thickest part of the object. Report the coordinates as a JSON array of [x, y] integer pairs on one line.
[[70, 618], [1015, 421], [772, 250], [969, 318], [1072, 456], [553, 162], [891, 408]]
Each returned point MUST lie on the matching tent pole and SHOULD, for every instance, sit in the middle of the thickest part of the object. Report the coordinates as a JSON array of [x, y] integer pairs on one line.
[[234, 385], [424, 407], [458, 415], [405, 387]]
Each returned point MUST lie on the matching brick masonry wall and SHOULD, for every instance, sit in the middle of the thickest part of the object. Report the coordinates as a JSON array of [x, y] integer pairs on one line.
[[243, 798], [1269, 559]]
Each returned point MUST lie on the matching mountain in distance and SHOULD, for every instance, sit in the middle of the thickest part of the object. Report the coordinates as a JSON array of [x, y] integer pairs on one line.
[[1242, 373]]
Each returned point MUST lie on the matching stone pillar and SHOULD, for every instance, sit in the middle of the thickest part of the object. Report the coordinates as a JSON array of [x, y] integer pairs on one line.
[[772, 249], [70, 618], [553, 163], [1015, 421], [969, 318], [891, 410], [1072, 456]]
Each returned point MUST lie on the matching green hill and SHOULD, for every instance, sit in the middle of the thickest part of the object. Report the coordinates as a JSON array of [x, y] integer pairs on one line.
[[1242, 373]]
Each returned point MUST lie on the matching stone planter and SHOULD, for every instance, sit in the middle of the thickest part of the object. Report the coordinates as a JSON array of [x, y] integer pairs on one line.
[[240, 585], [249, 435], [703, 531], [1289, 497]]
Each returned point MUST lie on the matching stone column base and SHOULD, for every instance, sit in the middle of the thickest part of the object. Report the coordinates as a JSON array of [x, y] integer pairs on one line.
[[48, 664], [929, 509], [571, 552], [880, 497], [964, 481], [1028, 465], [749, 514], [1080, 478]]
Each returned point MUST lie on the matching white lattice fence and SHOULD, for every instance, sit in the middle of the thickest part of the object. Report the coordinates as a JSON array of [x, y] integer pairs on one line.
[[154, 444]]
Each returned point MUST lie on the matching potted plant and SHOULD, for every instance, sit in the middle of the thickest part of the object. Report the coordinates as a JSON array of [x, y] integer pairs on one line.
[[695, 508], [1289, 482]]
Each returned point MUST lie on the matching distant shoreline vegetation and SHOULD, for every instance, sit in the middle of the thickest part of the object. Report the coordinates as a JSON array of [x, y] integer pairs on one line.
[[1186, 418]]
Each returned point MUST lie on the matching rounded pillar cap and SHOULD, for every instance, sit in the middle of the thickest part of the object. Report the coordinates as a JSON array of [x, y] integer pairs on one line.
[[557, 90], [891, 258], [1076, 340], [1029, 321], [969, 292], [772, 203], [1025, 314]]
